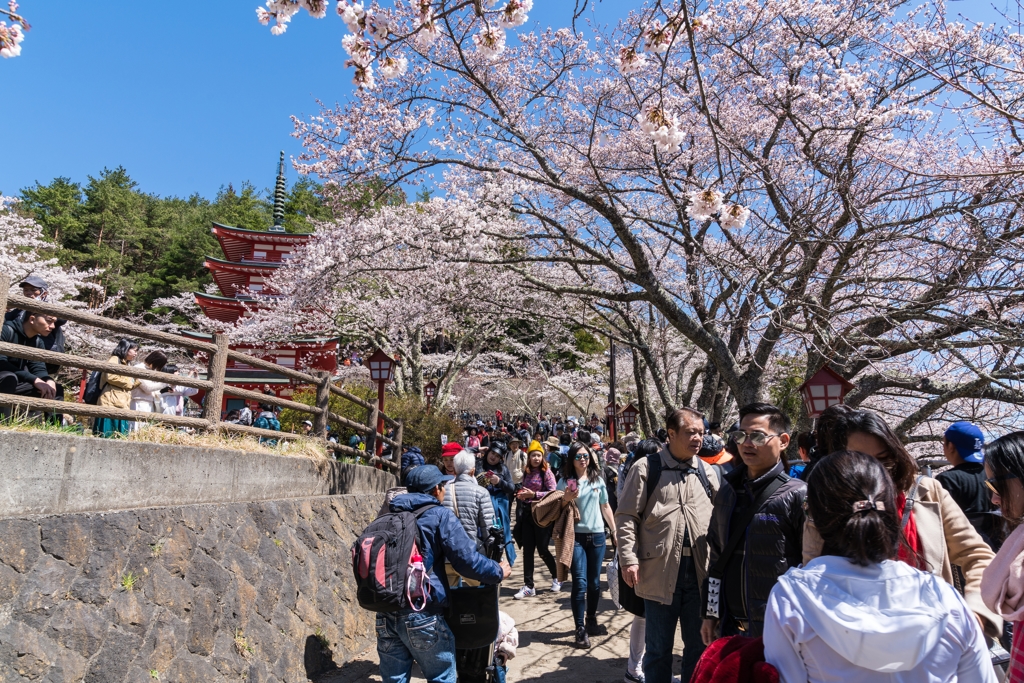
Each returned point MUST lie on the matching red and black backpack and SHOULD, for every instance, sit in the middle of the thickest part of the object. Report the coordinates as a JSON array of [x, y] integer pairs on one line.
[[384, 558]]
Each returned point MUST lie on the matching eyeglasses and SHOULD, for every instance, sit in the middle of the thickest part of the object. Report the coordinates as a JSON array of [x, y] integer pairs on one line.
[[756, 438], [990, 483], [582, 456]]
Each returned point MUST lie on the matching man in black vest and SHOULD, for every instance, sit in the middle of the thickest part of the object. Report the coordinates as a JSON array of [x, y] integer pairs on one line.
[[756, 530]]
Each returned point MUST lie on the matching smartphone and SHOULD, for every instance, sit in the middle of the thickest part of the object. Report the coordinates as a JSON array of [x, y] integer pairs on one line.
[[570, 485]]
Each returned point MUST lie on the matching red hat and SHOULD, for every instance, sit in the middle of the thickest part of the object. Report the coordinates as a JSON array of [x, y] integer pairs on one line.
[[451, 449]]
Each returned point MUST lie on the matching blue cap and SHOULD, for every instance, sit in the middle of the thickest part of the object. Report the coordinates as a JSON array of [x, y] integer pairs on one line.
[[968, 439], [423, 478]]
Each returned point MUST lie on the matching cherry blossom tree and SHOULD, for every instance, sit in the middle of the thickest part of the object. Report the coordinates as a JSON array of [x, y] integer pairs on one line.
[[770, 176], [11, 36]]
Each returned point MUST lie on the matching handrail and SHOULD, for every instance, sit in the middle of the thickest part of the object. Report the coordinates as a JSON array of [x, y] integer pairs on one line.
[[55, 358], [272, 367], [214, 386], [120, 326]]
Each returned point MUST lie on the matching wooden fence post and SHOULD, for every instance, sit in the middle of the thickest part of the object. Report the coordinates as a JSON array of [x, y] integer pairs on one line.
[[5, 284], [215, 373], [323, 403], [371, 437], [397, 455]]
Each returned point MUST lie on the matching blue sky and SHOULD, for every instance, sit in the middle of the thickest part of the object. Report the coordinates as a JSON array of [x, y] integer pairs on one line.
[[186, 98]]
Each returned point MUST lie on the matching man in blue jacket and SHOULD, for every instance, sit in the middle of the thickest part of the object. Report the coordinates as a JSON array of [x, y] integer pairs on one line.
[[407, 636]]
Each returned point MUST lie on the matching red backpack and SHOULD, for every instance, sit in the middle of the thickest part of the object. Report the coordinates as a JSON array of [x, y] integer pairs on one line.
[[388, 564]]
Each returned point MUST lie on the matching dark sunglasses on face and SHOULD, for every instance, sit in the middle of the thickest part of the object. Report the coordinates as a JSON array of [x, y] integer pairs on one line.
[[582, 456], [990, 483], [756, 438]]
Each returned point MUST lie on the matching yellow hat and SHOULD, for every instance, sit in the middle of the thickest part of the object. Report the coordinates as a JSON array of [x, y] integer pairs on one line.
[[535, 446]]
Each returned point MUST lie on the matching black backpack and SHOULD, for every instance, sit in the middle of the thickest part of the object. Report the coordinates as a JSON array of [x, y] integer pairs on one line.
[[382, 560], [93, 388]]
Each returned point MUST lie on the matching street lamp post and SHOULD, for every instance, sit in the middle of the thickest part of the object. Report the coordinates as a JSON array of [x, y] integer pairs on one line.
[[430, 391], [382, 368], [611, 411]]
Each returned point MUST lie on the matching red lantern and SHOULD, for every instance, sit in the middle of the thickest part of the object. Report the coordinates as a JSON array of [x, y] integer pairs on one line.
[[611, 410], [824, 389], [381, 366], [381, 371], [430, 391], [628, 415]]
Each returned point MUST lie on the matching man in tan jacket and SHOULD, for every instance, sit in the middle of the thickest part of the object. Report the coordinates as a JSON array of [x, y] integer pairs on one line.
[[662, 522]]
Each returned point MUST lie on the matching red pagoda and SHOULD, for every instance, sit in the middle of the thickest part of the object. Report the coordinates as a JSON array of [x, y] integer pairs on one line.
[[250, 258]]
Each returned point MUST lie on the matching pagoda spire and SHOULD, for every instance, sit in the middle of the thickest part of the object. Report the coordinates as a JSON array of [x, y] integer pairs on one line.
[[280, 190]]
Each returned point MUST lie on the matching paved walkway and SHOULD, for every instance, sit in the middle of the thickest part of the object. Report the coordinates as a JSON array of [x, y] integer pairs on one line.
[[546, 653]]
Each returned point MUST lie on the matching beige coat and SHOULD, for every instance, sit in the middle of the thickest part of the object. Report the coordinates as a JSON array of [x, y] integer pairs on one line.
[[117, 389], [946, 538], [653, 537]]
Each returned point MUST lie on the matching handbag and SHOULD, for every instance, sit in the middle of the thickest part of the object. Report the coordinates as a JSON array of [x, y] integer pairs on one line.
[[630, 601]]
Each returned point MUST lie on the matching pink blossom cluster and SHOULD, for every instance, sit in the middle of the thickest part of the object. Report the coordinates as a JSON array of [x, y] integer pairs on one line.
[[12, 36]]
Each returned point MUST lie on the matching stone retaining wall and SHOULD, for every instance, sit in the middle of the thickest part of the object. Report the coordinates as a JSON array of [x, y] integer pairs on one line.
[[253, 592], [45, 474]]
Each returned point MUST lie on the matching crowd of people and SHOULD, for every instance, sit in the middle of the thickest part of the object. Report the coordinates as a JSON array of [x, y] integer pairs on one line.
[[850, 564]]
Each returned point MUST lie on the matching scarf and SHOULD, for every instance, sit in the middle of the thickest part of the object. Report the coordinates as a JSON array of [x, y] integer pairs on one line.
[[911, 552]]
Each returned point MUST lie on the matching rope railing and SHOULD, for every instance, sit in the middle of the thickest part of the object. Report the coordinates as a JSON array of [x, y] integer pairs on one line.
[[214, 385]]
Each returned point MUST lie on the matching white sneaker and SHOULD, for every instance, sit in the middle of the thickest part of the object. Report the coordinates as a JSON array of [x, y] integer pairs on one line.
[[525, 592], [556, 585]]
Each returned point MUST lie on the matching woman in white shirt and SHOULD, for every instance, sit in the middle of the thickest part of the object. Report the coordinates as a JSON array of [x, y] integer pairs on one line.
[[146, 395], [856, 614]]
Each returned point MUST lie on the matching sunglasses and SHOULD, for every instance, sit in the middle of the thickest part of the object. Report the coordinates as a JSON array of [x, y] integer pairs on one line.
[[990, 483], [756, 438], [582, 456]]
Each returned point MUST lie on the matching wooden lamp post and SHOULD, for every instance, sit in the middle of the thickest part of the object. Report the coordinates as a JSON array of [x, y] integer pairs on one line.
[[382, 368]]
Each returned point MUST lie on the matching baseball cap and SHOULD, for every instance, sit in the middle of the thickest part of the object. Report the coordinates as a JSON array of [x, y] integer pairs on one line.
[[307, 422], [450, 449], [35, 281], [968, 439], [423, 478]]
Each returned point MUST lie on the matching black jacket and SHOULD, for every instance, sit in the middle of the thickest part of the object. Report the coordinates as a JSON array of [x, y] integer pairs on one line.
[[773, 542], [505, 487], [26, 370], [52, 342]]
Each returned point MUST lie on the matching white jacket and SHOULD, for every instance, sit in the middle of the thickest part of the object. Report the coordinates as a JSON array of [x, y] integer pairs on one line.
[[832, 620]]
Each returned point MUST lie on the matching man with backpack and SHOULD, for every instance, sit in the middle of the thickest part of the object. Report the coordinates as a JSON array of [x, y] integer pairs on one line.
[[418, 632], [661, 526]]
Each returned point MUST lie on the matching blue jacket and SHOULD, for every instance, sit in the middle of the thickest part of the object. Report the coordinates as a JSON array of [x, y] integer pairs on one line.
[[412, 458], [446, 540]]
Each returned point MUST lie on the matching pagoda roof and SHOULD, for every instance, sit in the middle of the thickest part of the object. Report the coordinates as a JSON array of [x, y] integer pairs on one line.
[[223, 308], [237, 242], [193, 334], [232, 277]]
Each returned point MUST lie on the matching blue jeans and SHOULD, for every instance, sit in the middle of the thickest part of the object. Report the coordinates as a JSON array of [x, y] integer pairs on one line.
[[406, 636], [587, 555], [661, 628]]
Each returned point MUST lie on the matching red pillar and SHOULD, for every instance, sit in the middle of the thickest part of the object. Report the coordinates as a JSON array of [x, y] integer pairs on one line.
[[380, 417]]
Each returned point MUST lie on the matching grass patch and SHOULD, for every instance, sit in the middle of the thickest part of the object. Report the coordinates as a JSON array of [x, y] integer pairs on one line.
[[242, 645], [129, 581]]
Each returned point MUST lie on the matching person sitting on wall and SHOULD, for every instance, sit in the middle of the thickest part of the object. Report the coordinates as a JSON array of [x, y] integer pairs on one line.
[[35, 287], [28, 377], [267, 419]]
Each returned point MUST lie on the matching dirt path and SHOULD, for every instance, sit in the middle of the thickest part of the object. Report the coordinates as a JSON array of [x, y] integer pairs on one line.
[[546, 653]]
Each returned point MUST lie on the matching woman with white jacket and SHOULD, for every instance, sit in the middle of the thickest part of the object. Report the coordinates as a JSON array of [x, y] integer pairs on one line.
[[857, 614], [146, 395]]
